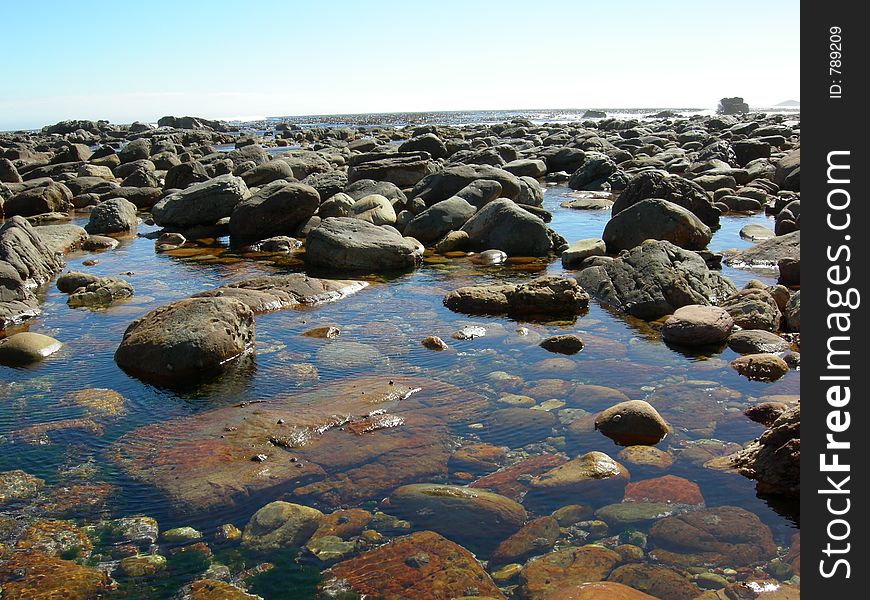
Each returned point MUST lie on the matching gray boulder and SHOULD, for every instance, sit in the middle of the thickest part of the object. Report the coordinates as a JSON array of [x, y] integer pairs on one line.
[[680, 191], [655, 219], [450, 180], [112, 216], [202, 203], [278, 208], [503, 225], [346, 243], [434, 222], [54, 197]]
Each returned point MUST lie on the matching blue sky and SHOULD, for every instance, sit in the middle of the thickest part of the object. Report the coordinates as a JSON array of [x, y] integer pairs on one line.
[[127, 61]]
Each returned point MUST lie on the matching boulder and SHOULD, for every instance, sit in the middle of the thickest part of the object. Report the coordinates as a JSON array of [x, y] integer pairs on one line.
[[526, 167], [346, 243], [593, 172], [632, 423], [267, 173], [697, 325], [655, 279], [593, 476], [366, 187], [480, 192], [761, 367], [535, 537], [768, 253], [112, 216], [566, 568], [400, 169], [753, 309], [428, 142], [50, 198], [568, 343], [185, 175], [450, 180], [580, 250], [655, 219], [186, 340], [27, 347], [773, 460], [101, 293], [280, 525], [442, 217], [545, 296], [793, 312], [756, 341], [505, 226], [423, 566], [278, 208], [598, 590], [374, 209], [673, 188], [202, 203], [73, 280], [475, 518]]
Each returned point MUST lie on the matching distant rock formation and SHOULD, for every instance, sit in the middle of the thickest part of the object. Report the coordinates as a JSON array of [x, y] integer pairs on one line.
[[192, 123], [732, 106]]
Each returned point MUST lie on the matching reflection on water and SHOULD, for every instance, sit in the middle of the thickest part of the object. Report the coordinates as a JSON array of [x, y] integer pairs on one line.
[[50, 431]]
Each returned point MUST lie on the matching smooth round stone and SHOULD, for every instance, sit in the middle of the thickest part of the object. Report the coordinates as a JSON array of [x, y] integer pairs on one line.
[[99, 242], [632, 423], [756, 341], [598, 590], [490, 257], [433, 342], [26, 348], [563, 344], [761, 367], [280, 525], [756, 233], [697, 325], [581, 250], [632, 513], [591, 475]]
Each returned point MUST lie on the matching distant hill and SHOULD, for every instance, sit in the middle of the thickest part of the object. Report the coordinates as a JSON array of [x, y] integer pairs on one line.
[[789, 103]]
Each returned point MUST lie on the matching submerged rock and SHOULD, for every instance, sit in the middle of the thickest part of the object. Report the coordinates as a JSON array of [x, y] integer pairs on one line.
[[768, 253], [280, 525], [564, 568], [655, 279], [591, 476], [101, 293], [186, 340], [762, 367], [535, 537], [18, 485], [32, 574], [598, 590], [423, 566]]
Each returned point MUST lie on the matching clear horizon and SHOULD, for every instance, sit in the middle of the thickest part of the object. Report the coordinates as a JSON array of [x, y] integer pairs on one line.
[[216, 60]]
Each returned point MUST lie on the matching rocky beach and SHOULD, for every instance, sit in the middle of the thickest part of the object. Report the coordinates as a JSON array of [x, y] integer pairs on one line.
[[422, 356]]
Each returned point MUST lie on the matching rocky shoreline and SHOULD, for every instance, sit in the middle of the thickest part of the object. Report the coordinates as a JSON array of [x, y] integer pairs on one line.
[[367, 476]]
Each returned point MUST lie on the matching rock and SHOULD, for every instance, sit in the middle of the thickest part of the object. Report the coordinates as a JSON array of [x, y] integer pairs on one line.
[[658, 581], [788, 171], [593, 172], [632, 423], [401, 169], [753, 309], [656, 219], [655, 279], [267, 173], [477, 458], [580, 250], [773, 460], [450, 180], [480, 192], [330, 548], [428, 142], [512, 481], [646, 456], [211, 589], [566, 567], [423, 566], [96, 243], [503, 225], [182, 535], [563, 344], [343, 524], [526, 167], [34, 575], [277, 208], [73, 280], [550, 295], [8, 172], [793, 312], [789, 271], [768, 253], [26, 347], [280, 525], [756, 233], [624, 515], [101, 293], [675, 189], [696, 325], [761, 367], [18, 485], [757, 341], [535, 537], [327, 184], [142, 565], [61, 238], [185, 340], [339, 205], [374, 209], [202, 203], [475, 518], [593, 475], [112, 216], [185, 175], [51, 198], [598, 591], [732, 106], [99, 401], [365, 187], [721, 536], [344, 243], [433, 342], [667, 489], [442, 217]]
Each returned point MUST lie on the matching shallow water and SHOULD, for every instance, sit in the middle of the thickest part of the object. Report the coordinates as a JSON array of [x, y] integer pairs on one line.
[[389, 318]]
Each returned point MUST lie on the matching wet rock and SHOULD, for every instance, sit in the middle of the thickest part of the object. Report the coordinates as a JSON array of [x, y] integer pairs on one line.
[[330, 548], [668, 489], [477, 458], [598, 591], [442, 217], [138, 530], [512, 481], [593, 172], [761, 367], [26, 347], [646, 456], [18, 485], [61, 238], [757, 341], [275, 209], [658, 581], [565, 567], [55, 538], [186, 340], [202, 203], [441, 570], [32, 575], [656, 219], [550, 295], [182, 535], [655, 279], [680, 191], [631, 423], [768, 253], [696, 325], [142, 565], [459, 513], [789, 271], [535, 537], [99, 401], [96, 243], [721, 536], [343, 524], [210, 589], [563, 344], [634, 514], [580, 250], [112, 216], [793, 312], [504, 225], [595, 397], [753, 309], [73, 280], [280, 525], [591, 476], [346, 243], [350, 355], [269, 293], [433, 342], [773, 460], [101, 293], [756, 233], [228, 533]]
